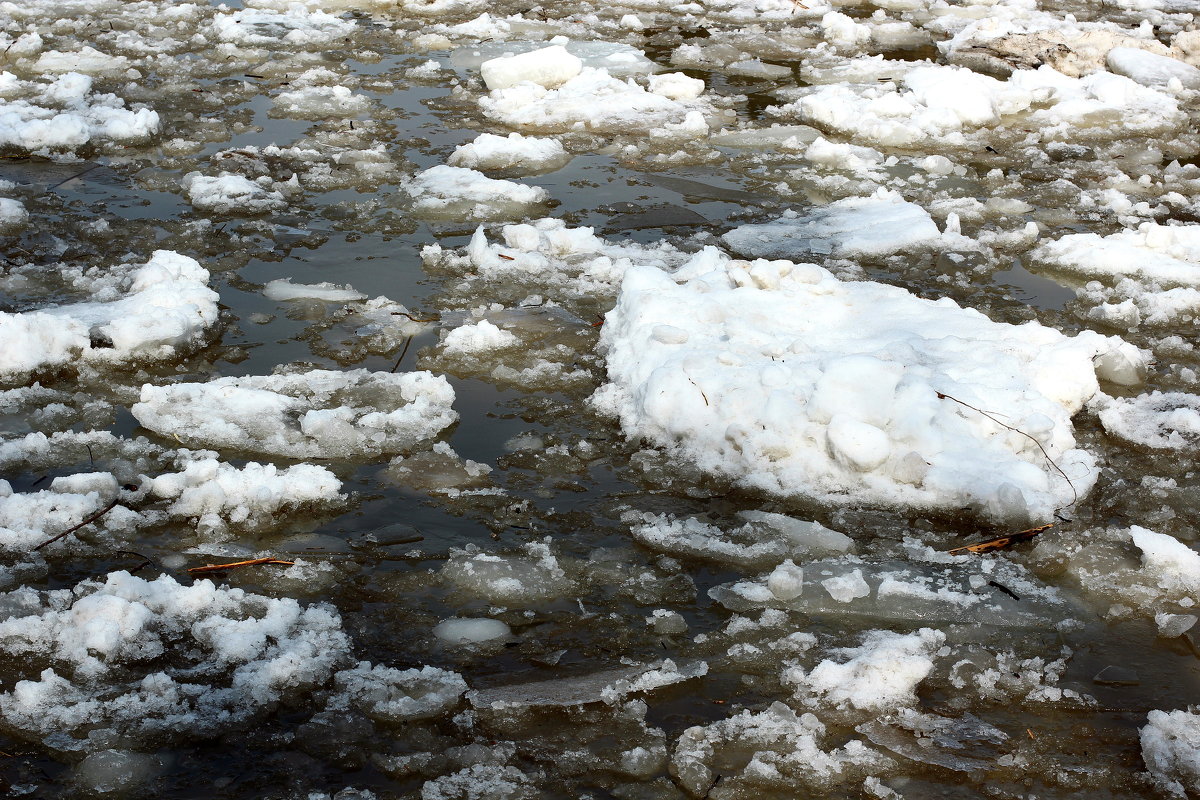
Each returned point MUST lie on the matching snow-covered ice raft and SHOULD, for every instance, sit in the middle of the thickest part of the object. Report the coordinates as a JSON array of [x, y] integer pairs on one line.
[[316, 414], [782, 379]]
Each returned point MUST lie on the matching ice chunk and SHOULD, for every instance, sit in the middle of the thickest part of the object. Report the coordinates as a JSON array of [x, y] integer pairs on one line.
[[527, 154], [396, 695], [608, 686], [1171, 750], [1175, 565], [230, 194], [455, 193], [786, 582], [848, 587], [1166, 255], [166, 308], [66, 114], [965, 744], [795, 383], [283, 289], [1151, 69], [317, 414], [876, 225], [459, 630], [880, 675], [1161, 420], [479, 337], [520, 580], [549, 67]]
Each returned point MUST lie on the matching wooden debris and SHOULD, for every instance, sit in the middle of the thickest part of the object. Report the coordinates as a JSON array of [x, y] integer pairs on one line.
[[1000, 542], [87, 521], [251, 563]]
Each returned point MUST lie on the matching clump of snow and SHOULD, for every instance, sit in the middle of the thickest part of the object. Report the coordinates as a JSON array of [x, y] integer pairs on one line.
[[781, 378], [396, 695], [478, 337], [1161, 420], [856, 226], [317, 414], [66, 114], [513, 153], [454, 193], [233, 656], [12, 214], [882, 674], [1171, 750], [230, 194], [166, 307], [217, 495]]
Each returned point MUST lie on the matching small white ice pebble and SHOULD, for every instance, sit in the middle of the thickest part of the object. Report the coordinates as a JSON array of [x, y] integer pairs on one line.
[[630, 22], [786, 581], [1171, 626], [845, 588]]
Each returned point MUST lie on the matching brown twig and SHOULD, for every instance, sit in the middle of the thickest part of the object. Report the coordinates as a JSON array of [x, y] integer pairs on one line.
[[403, 353], [416, 319], [1000, 542], [87, 521], [251, 563], [1057, 468]]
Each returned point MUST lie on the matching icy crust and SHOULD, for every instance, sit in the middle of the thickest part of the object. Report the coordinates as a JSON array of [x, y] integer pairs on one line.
[[394, 695], [783, 379], [784, 748], [127, 662], [903, 593], [317, 414], [950, 104], [66, 114], [878, 225], [216, 494], [465, 195], [1171, 750], [1159, 420], [595, 101], [166, 307], [526, 154]]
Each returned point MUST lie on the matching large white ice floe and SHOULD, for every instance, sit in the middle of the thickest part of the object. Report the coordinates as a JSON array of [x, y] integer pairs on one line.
[[857, 226], [66, 114], [316, 414], [782, 379], [459, 194], [1166, 255], [145, 313], [948, 104], [1171, 750], [595, 101], [295, 27], [127, 662]]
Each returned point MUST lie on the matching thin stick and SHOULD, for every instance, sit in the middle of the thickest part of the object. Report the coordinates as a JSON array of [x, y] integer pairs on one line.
[[999, 542], [944, 396], [403, 353], [251, 563], [415, 319], [87, 521]]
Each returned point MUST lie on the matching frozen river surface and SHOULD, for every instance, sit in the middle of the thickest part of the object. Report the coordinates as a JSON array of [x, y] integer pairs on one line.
[[605, 395]]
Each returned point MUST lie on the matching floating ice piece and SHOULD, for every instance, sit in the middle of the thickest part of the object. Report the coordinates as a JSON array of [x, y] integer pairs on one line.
[[514, 580], [1167, 255], [166, 307], [66, 114], [218, 494], [455, 193], [396, 695], [529, 154], [85, 60], [786, 137], [964, 744], [764, 540], [12, 214], [135, 663], [857, 226], [1171, 751], [1161, 420], [783, 379], [907, 593], [1174, 565], [28, 519], [283, 289], [317, 414], [478, 337], [295, 27], [592, 101], [620, 60], [459, 630], [1151, 69], [230, 194], [608, 686], [784, 750], [549, 67], [882, 674]]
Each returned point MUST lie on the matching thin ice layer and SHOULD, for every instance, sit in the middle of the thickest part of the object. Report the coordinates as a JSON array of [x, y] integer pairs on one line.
[[167, 305], [783, 379], [317, 414]]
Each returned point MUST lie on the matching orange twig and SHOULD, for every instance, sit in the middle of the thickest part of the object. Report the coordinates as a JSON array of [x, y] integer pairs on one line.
[[1000, 542], [251, 563]]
